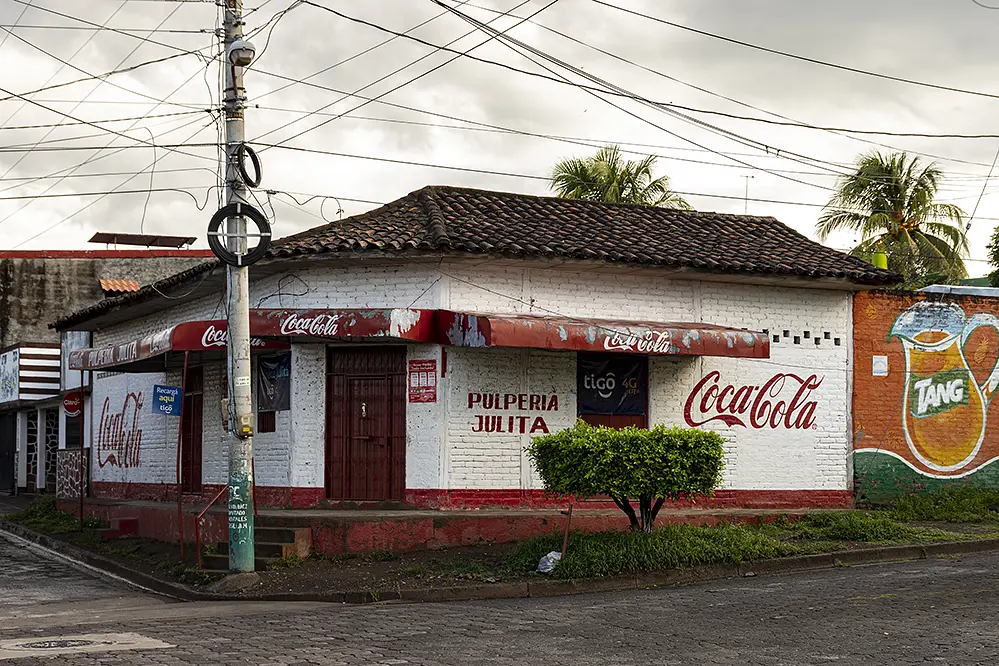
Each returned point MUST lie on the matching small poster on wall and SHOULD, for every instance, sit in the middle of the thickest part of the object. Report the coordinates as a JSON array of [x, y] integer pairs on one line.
[[274, 383], [166, 400], [423, 381]]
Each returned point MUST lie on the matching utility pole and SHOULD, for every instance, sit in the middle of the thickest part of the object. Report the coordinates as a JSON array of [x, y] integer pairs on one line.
[[238, 54]]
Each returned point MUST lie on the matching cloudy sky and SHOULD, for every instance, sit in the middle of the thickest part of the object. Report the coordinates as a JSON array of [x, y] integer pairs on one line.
[[505, 128]]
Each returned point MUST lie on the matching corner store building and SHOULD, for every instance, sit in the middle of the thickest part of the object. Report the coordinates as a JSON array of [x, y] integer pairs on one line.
[[417, 347]]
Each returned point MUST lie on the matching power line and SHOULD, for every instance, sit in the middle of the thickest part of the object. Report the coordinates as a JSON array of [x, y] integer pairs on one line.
[[790, 122], [510, 42], [586, 142], [98, 199], [77, 27], [104, 120], [396, 71], [353, 57], [794, 56], [509, 174]]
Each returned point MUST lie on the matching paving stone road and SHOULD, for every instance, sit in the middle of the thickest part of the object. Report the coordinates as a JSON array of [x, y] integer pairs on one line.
[[939, 611]]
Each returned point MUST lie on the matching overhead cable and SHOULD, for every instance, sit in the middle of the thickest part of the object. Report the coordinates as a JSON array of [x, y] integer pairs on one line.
[[814, 61]]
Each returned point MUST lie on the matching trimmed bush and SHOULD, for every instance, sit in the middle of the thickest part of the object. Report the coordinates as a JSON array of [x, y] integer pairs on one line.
[[650, 466]]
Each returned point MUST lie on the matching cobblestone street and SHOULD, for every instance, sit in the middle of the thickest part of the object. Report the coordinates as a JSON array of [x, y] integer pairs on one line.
[[942, 611]]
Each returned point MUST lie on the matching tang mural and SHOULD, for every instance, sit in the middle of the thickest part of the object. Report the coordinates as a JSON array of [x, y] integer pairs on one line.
[[926, 372]]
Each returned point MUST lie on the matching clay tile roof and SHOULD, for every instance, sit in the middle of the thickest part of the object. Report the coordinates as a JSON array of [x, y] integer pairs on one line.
[[468, 220], [119, 286], [440, 219]]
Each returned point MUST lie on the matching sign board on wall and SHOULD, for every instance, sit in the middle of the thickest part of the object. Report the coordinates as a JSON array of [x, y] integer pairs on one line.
[[72, 403], [9, 375], [423, 380], [166, 400], [274, 383], [611, 384]]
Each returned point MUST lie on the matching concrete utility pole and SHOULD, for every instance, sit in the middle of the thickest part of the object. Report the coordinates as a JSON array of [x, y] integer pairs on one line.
[[238, 54], [746, 208]]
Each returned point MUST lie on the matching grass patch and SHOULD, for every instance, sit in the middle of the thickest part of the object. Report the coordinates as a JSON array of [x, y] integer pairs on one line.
[[42, 515], [819, 532], [955, 505], [669, 547]]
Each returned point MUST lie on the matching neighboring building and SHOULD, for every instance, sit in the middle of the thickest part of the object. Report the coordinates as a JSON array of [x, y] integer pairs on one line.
[[35, 288], [426, 341], [927, 369]]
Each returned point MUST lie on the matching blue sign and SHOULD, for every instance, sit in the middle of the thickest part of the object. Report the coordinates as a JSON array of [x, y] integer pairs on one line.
[[166, 400]]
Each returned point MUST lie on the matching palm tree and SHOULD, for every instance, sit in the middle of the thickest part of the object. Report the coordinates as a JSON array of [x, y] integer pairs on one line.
[[889, 200], [607, 176]]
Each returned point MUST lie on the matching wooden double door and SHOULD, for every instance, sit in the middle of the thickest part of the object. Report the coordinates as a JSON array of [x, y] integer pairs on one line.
[[366, 423]]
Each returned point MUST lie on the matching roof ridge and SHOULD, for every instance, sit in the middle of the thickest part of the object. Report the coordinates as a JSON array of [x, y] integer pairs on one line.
[[437, 236]]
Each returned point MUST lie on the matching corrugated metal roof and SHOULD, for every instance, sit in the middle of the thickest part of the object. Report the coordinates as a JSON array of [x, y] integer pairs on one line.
[[119, 286]]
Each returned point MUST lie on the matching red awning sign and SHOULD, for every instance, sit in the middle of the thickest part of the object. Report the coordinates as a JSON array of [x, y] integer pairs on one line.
[[459, 329], [197, 336], [463, 329]]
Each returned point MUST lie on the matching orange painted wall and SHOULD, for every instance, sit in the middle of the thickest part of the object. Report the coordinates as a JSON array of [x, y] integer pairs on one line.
[[942, 431]]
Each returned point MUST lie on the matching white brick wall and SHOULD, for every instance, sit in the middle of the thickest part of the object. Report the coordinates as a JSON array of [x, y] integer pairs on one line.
[[157, 461], [308, 415], [781, 458], [496, 460], [443, 451]]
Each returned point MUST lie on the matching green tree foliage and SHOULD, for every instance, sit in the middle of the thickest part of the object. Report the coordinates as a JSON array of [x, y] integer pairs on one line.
[[993, 250], [607, 176], [890, 201], [650, 466]]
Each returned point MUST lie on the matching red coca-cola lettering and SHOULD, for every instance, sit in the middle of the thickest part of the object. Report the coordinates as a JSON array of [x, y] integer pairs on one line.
[[119, 436], [321, 325], [709, 401]]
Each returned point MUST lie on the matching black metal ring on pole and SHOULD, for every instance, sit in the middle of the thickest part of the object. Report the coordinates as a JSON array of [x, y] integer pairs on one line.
[[242, 151], [218, 244]]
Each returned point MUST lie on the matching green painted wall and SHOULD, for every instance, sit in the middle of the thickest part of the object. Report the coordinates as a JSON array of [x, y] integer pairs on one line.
[[879, 477]]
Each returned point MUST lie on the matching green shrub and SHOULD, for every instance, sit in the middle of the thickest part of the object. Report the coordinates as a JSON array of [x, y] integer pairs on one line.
[[670, 547], [631, 463]]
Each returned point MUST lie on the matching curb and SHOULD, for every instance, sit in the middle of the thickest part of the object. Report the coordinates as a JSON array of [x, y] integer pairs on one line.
[[527, 588]]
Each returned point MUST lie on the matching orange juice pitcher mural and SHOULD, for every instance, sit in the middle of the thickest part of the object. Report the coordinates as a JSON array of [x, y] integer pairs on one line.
[[945, 408]]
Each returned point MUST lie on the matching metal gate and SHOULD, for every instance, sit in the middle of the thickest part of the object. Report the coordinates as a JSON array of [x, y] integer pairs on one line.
[[366, 423]]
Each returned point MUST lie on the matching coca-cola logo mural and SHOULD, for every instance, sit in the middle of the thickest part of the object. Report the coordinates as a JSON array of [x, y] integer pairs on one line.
[[119, 436], [321, 325], [783, 401]]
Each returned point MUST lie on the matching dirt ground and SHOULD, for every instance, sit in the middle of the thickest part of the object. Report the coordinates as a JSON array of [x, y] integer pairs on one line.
[[383, 570]]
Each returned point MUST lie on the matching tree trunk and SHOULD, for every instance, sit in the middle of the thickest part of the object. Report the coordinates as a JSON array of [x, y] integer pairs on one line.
[[655, 509], [645, 503], [624, 504]]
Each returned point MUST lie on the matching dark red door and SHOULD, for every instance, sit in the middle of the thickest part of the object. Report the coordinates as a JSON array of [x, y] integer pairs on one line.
[[616, 420], [190, 428], [366, 424]]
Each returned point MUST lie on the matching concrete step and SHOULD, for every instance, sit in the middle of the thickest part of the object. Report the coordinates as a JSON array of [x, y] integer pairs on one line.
[[121, 527], [274, 534]]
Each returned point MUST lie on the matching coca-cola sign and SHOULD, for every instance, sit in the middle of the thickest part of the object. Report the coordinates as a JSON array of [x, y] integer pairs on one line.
[[219, 337], [783, 401], [319, 325], [650, 342], [214, 337]]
